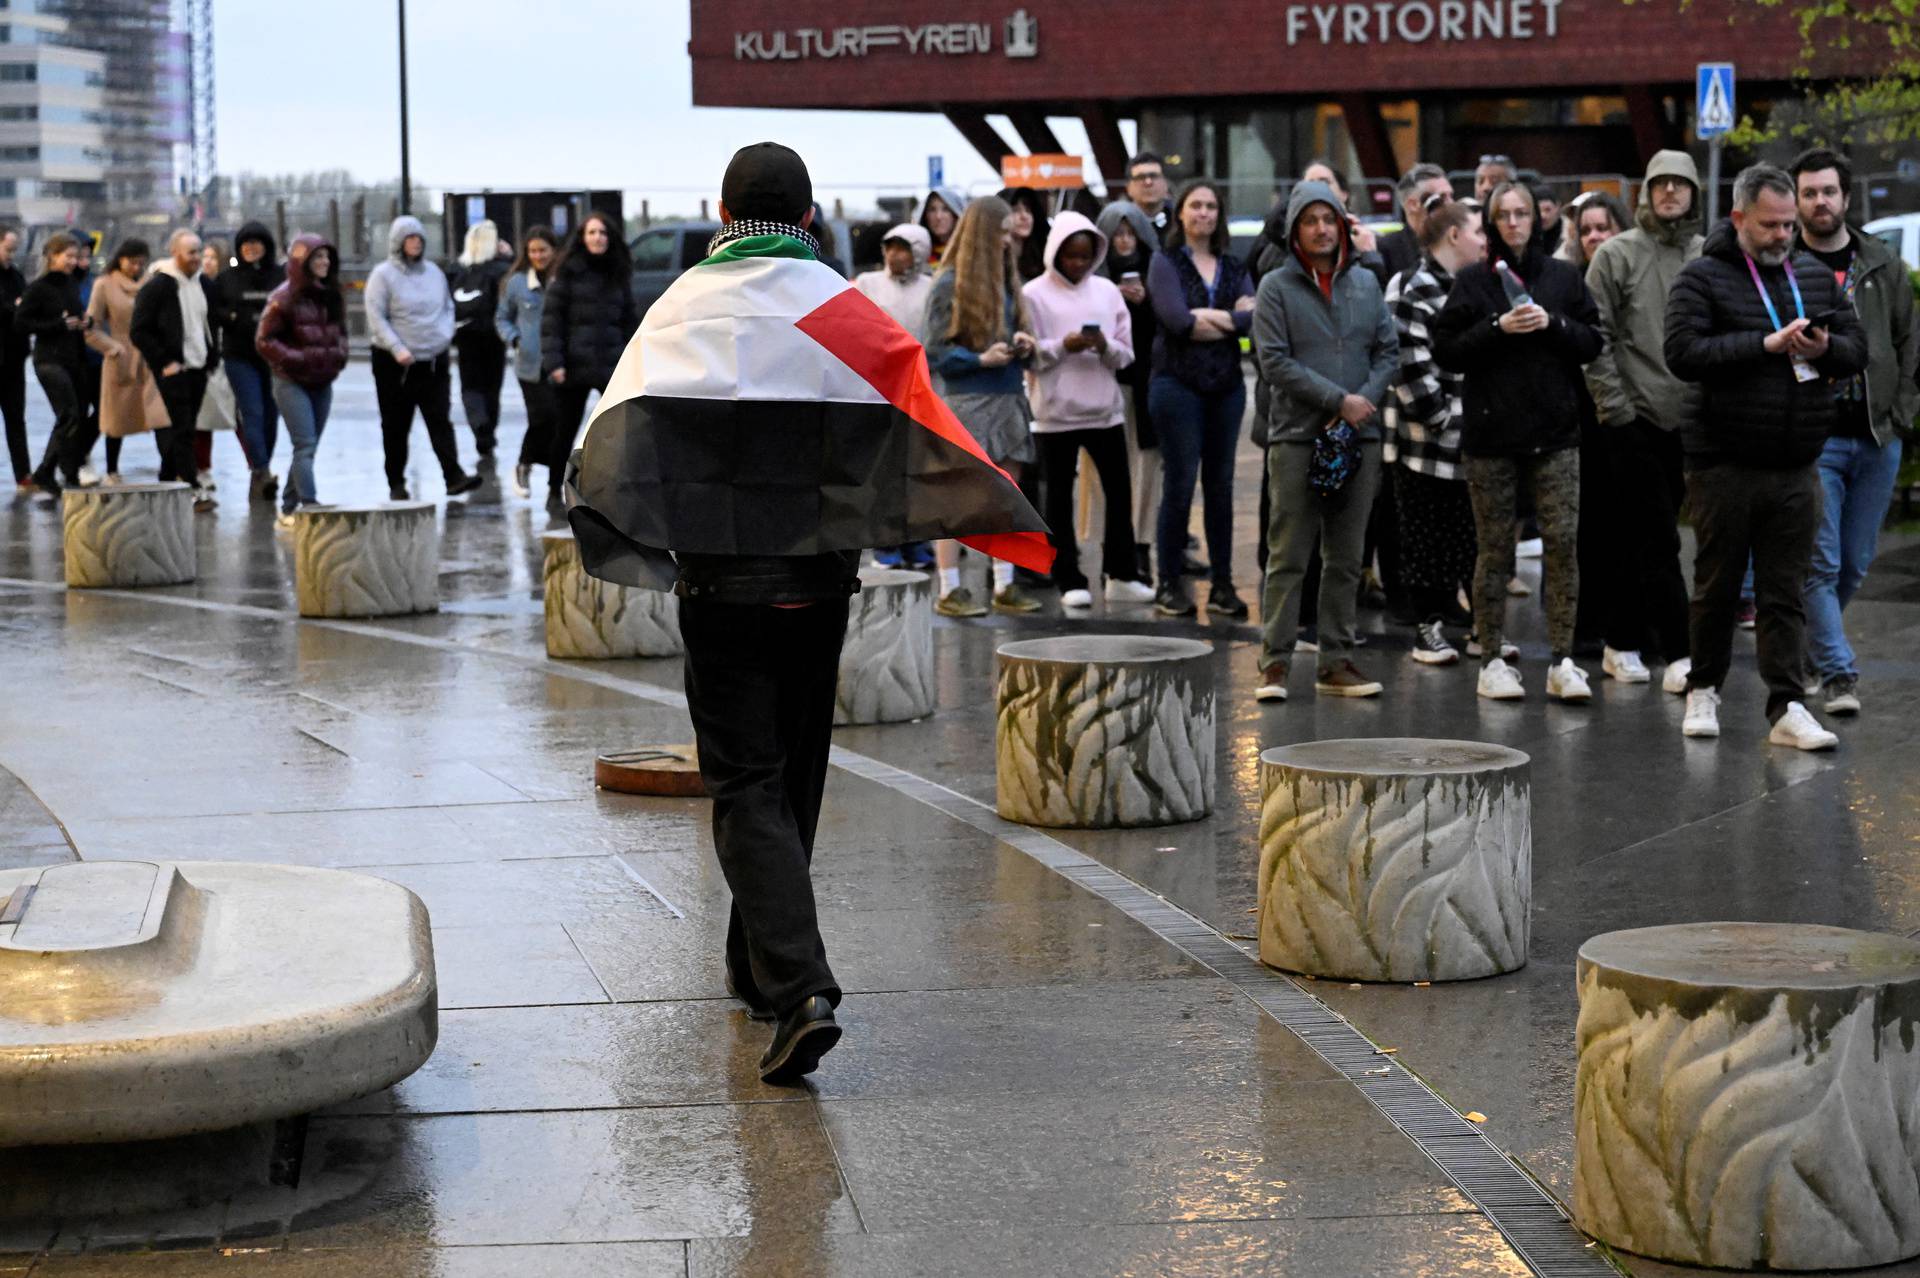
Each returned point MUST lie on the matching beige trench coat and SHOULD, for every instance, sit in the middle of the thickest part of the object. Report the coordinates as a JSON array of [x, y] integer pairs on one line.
[[129, 397]]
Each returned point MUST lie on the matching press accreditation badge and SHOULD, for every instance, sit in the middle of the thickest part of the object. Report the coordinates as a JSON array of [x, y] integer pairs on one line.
[[1803, 371]]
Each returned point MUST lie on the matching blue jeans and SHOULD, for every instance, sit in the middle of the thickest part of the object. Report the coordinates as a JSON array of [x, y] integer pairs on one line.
[[1198, 434], [1856, 486], [259, 422], [306, 414]]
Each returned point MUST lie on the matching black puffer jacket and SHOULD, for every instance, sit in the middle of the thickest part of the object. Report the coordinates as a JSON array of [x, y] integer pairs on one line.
[[1524, 393], [590, 314], [241, 292], [1754, 411]]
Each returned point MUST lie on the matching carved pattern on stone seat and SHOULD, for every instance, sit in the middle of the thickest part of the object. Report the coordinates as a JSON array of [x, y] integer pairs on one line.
[[366, 561], [594, 620], [130, 535], [1382, 876], [1745, 1126], [1105, 742], [886, 663]]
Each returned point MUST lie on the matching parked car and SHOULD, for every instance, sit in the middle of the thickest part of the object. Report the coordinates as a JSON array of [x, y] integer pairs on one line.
[[662, 252], [1902, 234]]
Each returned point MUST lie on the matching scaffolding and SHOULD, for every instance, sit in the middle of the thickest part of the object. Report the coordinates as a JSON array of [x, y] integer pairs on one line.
[[149, 94]]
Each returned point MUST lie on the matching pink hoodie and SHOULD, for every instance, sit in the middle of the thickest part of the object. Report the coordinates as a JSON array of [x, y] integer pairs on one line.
[[1077, 390]]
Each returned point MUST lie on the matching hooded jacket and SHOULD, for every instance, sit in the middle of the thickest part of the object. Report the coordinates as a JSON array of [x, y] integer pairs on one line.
[[409, 306], [904, 297], [303, 332], [1315, 346], [1077, 390], [1137, 376], [158, 328], [1524, 393], [241, 293], [588, 317], [1630, 277], [1753, 410], [1883, 299], [952, 199]]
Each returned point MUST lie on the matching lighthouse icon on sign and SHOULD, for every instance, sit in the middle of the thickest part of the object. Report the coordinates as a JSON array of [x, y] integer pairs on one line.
[[1023, 35]]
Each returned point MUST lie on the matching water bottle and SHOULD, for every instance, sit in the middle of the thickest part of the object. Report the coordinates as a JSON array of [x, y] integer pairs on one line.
[[1517, 294]]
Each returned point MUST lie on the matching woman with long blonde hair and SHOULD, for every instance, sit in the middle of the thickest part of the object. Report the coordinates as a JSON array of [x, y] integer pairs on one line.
[[978, 346]]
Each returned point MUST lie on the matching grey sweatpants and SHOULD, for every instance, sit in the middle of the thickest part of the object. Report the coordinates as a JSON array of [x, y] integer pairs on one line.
[[1298, 516]]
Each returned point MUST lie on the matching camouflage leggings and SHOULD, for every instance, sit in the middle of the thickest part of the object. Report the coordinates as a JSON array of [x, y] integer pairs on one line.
[[1493, 483]]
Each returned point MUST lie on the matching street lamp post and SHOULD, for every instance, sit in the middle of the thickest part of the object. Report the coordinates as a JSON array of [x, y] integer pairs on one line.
[[406, 160]]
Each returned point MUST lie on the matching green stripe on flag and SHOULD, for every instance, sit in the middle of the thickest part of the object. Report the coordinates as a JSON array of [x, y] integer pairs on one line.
[[754, 246]]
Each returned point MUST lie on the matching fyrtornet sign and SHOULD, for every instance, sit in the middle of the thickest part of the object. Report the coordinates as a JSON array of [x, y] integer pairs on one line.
[[1020, 39]]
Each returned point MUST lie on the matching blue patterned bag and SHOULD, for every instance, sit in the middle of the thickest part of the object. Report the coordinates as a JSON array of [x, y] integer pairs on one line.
[[1336, 456]]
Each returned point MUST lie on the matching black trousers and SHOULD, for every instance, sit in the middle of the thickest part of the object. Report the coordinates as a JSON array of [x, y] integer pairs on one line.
[[426, 385], [764, 726], [1060, 464], [483, 364], [569, 406], [1773, 516], [1647, 594], [536, 446], [13, 408], [182, 394], [66, 393]]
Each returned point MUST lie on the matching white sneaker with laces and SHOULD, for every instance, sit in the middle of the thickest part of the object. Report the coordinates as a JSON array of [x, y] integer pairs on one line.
[[1568, 682], [1675, 680], [1500, 682], [1703, 714], [1800, 730], [88, 476], [1081, 598], [1119, 591], [1624, 665]]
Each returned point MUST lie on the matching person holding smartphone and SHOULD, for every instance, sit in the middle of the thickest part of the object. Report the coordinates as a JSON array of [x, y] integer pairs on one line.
[[1131, 239], [51, 312]]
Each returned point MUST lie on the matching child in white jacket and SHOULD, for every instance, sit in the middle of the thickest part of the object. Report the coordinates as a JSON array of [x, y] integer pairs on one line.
[[1084, 335]]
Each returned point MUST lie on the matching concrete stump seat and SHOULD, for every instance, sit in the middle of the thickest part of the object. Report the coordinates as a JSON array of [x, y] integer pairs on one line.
[[886, 663], [594, 620], [1395, 859], [378, 560], [1748, 1095], [1104, 731], [128, 535], [141, 1000]]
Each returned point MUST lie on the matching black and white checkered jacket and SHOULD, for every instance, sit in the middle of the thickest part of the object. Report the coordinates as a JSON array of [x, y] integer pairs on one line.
[[1424, 409]]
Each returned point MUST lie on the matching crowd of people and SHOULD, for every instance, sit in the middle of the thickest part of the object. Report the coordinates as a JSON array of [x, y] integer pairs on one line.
[[1501, 369]]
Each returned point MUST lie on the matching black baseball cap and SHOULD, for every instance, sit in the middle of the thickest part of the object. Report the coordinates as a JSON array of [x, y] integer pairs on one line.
[[767, 182]]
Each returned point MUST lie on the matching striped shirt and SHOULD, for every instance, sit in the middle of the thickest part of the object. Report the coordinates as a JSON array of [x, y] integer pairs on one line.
[[1424, 409]]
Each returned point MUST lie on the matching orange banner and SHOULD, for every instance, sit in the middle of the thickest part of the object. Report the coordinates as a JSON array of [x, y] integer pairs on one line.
[[1043, 172]]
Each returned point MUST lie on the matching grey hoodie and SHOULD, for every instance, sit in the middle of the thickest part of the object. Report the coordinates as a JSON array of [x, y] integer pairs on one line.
[[1630, 277], [1313, 349], [409, 306]]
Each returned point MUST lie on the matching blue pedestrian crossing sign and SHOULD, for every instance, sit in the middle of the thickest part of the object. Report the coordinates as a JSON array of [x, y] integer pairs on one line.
[[1713, 100]]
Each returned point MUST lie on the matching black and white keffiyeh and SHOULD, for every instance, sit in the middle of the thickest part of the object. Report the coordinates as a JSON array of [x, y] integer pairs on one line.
[[745, 227]]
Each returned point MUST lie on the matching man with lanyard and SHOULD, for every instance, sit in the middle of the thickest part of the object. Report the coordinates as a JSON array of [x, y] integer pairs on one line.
[[1765, 332], [1861, 458]]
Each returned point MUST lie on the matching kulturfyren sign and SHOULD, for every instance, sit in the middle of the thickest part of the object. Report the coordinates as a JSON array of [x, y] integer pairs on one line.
[[1020, 38]]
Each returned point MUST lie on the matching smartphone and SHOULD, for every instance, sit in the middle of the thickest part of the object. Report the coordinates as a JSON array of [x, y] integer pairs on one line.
[[1129, 275], [1822, 319], [1089, 330]]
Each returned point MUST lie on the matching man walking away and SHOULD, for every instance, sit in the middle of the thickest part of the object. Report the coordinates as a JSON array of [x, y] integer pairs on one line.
[[1642, 409], [1861, 458], [1765, 332], [1327, 347], [410, 318], [173, 331], [778, 424]]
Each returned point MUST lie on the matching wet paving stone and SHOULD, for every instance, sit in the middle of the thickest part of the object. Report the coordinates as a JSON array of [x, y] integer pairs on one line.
[[577, 1260]]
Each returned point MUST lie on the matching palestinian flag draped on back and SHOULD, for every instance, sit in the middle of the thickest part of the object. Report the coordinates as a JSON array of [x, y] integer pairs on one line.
[[766, 407]]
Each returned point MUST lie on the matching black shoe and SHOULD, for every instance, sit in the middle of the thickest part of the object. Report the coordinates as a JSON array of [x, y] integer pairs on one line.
[[757, 1009], [803, 1036], [399, 493], [1227, 602], [1173, 600], [46, 483], [1143, 562], [464, 484]]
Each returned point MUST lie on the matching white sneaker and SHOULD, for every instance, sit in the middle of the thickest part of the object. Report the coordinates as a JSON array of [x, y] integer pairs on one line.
[[1531, 548], [113, 479], [1625, 666], [1518, 588], [204, 479], [1081, 598], [1272, 685], [1703, 714], [1800, 730], [1568, 682], [1675, 680], [88, 477], [1500, 682], [1119, 591], [283, 522]]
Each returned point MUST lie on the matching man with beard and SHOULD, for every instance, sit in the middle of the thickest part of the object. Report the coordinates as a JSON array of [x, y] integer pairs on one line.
[[1765, 332], [1861, 458]]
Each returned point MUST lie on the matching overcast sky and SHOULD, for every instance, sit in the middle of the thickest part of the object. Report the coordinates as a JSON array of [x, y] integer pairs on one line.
[[562, 94]]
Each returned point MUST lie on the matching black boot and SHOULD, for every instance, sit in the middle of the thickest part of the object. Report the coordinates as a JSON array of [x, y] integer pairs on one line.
[[803, 1036]]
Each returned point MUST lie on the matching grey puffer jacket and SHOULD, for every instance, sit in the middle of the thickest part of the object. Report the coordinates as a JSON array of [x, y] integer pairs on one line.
[[409, 306], [1314, 349]]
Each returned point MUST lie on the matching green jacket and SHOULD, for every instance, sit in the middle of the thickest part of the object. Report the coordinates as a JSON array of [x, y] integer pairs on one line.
[[1630, 277], [1883, 298]]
